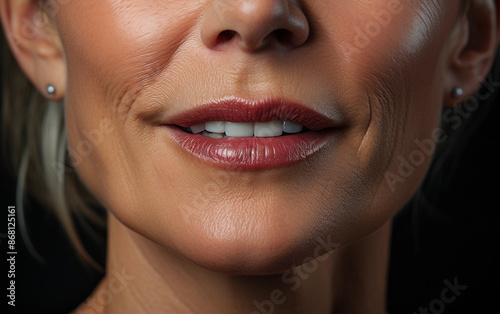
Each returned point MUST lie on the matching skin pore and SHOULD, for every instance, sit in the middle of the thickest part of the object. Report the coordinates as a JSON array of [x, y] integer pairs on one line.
[[383, 68]]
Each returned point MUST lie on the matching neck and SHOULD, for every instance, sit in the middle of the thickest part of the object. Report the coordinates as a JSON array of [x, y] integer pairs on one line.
[[142, 277]]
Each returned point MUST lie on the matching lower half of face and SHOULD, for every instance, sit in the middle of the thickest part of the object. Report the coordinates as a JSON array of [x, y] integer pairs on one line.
[[376, 68]]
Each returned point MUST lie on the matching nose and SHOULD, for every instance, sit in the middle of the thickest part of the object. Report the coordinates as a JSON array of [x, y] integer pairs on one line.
[[254, 24]]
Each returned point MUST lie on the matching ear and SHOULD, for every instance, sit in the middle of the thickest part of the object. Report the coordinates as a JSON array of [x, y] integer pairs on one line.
[[35, 44], [474, 42]]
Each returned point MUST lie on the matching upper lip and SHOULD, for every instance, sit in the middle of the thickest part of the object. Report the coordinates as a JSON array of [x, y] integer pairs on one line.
[[233, 109]]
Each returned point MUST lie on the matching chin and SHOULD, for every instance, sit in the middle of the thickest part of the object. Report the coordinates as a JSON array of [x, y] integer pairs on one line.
[[260, 255], [257, 239]]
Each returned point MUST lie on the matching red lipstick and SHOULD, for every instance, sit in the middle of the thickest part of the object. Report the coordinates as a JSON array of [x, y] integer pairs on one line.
[[252, 153]]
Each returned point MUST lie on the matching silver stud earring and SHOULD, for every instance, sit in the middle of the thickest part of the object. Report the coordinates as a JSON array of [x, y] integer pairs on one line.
[[457, 92], [51, 90]]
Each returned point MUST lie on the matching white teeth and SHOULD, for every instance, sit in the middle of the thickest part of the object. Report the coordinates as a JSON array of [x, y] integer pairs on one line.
[[239, 129], [290, 127], [215, 126], [268, 129], [213, 135], [223, 129], [198, 128]]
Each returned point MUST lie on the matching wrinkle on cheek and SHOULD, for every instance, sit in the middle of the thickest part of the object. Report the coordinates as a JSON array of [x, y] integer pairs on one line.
[[402, 89], [113, 55], [394, 73], [382, 98], [126, 50]]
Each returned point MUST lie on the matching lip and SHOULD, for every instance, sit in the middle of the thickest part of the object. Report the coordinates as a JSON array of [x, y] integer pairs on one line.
[[252, 153]]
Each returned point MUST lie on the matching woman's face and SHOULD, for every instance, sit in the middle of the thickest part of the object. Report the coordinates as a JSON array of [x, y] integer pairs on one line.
[[372, 69]]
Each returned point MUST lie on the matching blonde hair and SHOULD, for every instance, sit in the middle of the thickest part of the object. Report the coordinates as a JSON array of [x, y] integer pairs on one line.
[[34, 151]]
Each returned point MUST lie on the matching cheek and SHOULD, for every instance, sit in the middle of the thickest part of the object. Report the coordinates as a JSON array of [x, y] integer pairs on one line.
[[391, 65], [114, 52]]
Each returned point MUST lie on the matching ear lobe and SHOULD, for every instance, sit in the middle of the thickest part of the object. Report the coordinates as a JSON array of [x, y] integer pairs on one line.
[[34, 44], [476, 41]]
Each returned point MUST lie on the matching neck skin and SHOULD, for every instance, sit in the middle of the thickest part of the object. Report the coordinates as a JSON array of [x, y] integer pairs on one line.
[[142, 277]]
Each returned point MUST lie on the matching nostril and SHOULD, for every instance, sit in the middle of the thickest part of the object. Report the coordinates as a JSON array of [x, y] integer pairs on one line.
[[283, 35], [254, 25], [225, 36]]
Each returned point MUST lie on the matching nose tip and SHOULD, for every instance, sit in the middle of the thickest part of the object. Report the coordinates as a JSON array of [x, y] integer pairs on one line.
[[255, 24]]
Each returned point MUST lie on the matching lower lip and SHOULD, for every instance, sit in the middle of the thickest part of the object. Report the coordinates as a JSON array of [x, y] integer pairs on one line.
[[251, 153]]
